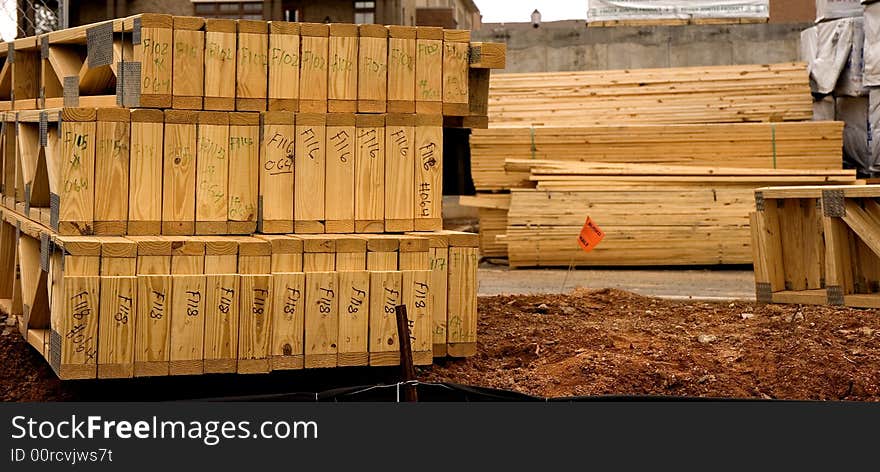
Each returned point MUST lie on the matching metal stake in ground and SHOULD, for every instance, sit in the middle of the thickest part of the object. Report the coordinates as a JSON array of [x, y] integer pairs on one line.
[[406, 359]]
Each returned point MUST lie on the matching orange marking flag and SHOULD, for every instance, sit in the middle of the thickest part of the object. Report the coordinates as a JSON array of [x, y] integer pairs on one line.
[[590, 235]]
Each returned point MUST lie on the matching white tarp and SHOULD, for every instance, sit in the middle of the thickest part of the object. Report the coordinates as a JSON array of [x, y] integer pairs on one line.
[[809, 44], [871, 76], [858, 136], [874, 127], [612, 10], [823, 109], [850, 81], [833, 9], [832, 52]]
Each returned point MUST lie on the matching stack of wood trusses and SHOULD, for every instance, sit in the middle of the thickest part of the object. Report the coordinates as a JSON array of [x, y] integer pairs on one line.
[[817, 245], [130, 208]]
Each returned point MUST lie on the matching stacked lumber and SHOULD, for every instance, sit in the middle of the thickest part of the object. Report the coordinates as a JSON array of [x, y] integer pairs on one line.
[[817, 245], [716, 94], [118, 307], [663, 160], [187, 196], [163, 61], [652, 215], [492, 210], [793, 145], [115, 171]]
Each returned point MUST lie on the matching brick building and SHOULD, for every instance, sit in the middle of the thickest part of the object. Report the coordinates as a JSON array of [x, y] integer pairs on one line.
[[448, 13]]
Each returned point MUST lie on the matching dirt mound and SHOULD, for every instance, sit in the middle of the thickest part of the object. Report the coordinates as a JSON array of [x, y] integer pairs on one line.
[[610, 342], [605, 342]]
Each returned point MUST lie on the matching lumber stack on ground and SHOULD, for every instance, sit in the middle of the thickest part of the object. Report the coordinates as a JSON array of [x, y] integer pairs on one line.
[[663, 160], [162, 61], [168, 212], [119, 307], [817, 245], [715, 94], [652, 215], [795, 145], [186, 172]]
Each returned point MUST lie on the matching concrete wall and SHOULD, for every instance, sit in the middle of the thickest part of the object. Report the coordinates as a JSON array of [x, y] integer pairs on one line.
[[570, 45]]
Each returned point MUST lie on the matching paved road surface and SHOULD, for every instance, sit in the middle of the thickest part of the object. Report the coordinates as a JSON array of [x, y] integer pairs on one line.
[[673, 284]]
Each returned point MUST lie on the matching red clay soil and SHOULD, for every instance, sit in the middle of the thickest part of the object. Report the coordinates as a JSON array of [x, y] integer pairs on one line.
[[610, 342], [603, 342]]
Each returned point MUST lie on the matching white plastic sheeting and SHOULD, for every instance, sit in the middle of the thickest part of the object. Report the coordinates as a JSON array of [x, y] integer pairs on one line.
[[872, 39], [808, 45], [833, 9], [612, 10], [874, 129], [833, 46], [860, 117], [850, 81], [823, 109]]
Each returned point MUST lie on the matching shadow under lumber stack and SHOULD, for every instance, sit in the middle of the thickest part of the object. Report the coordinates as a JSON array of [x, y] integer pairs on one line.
[[185, 196]]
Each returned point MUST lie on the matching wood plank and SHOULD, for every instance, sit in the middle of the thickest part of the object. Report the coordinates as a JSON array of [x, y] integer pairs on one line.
[[284, 65], [456, 69], [429, 70], [145, 179], [153, 329], [288, 321], [244, 173], [255, 320], [252, 69], [311, 164], [428, 195], [188, 58], [276, 197], [399, 172], [79, 328], [417, 296], [75, 187], [314, 61], [212, 173], [154, 53], [222, 303], [321, 319], [862, 224], [402, 69], [113, 134], [339, 195], [370, 174], [385, 295], [372, 84], [220, 64], [461, 334], [354, 318], [343, 70], [179, 173], [713, 94]]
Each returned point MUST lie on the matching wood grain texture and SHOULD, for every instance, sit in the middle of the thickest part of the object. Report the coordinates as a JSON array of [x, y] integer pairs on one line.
[[284, 65], [339, 194]]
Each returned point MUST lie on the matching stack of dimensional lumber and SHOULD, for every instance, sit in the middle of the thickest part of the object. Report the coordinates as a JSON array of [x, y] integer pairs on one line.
[[716, 94], [794, 145], [651, 214], [185, 305], [817, 245], [164, 61], [116, 171]]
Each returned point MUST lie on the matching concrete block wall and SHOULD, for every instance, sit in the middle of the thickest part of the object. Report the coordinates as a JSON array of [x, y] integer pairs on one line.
[[570, 45]]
